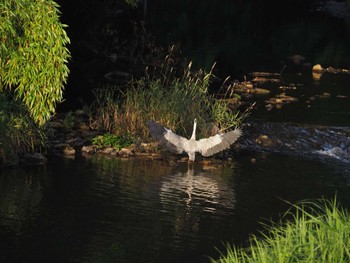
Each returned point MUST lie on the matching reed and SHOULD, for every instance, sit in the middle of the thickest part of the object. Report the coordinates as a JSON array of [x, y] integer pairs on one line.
[[319, 231], [165, 96]]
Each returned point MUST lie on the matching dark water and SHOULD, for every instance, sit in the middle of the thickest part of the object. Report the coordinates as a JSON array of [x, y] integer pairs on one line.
[[311, 107], [115, 210]]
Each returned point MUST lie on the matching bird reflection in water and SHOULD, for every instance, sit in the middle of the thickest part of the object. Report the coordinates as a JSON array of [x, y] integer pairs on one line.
[[195, 195]]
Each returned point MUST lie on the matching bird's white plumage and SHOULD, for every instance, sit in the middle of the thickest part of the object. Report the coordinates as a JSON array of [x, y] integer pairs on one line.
[[179, 144], [178, 141]]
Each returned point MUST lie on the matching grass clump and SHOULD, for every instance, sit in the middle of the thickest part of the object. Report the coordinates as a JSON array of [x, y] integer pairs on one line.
[[318, 232], [111, 140], [165, 96], [18, 132]]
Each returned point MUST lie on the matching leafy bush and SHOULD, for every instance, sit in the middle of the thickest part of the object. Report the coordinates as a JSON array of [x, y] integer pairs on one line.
[[111, 140], [33, 54]]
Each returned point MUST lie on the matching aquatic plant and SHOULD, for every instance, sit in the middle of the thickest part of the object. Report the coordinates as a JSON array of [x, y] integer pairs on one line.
[[166, 96], [318, 231]]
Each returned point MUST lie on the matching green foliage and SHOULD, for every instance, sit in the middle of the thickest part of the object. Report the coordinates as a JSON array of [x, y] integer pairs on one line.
[[33, 54], [165, 97], [318, 232], [18, 132], [112, 140]]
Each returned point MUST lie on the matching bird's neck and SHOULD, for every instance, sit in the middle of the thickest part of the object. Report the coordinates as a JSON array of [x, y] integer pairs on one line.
[[193, 137]]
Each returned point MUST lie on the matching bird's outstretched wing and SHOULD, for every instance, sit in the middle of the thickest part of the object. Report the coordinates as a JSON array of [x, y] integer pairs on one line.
[[166, 137], [218, 142]]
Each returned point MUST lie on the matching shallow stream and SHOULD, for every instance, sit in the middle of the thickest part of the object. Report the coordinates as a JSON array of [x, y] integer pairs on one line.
[[128, 210]]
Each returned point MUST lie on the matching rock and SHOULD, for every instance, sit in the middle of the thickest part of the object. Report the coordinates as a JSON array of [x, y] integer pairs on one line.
[[264, 140], [132, 147], [260, 91], [68, 150], [107, 150], [261, 80], [264, 74], [88, 149], [33, 159], [324, 95], [316, 75], [289, 87], [208, 167], [318, 68], [125, 152], [279, 100], [342, 97]]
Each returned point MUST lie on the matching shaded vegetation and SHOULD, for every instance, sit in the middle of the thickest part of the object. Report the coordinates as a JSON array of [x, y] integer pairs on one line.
[[18, 132], [319, 231]]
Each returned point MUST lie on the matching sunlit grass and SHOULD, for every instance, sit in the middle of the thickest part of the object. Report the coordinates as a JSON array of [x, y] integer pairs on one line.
[[166, 96], [319, 231]]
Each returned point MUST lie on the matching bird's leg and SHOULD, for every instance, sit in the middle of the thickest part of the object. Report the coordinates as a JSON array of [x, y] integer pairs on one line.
[[190, 163]]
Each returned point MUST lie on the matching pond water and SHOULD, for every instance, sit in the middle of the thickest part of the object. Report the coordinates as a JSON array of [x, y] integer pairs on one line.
[[129, 210]]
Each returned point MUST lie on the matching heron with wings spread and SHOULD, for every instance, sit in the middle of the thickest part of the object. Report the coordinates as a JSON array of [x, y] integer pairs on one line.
[[178, 144]]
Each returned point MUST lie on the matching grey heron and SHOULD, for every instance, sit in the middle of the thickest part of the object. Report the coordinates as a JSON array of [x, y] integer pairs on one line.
[[178, 144]]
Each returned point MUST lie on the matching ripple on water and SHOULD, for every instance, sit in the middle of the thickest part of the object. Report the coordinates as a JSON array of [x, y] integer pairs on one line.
[[98, 210]]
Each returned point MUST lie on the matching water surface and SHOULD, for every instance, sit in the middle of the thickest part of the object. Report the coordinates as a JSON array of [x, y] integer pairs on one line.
[[117, 210]]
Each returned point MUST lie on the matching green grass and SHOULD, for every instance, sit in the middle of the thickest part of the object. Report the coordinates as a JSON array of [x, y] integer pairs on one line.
[[319, 231], [171, 98]]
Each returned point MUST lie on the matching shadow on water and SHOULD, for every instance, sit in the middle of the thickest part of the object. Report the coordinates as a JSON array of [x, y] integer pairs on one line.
[[113, 210]]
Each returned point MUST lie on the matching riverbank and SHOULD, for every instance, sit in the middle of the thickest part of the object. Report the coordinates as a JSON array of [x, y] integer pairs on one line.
[[327, 144]]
